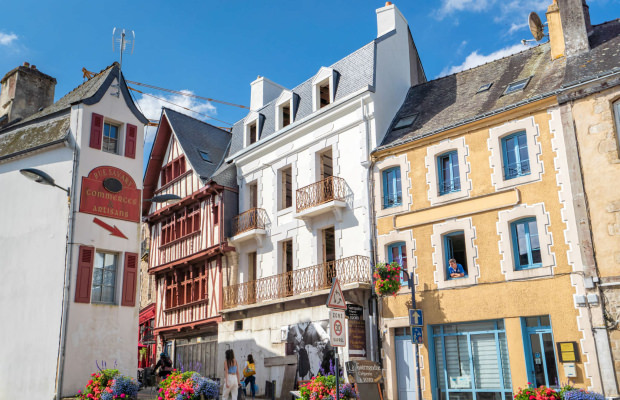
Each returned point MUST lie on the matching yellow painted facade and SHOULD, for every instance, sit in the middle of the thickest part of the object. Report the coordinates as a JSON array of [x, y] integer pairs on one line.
[[492, 293]]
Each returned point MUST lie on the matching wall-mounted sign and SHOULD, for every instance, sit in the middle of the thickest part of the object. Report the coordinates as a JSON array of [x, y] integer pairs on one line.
[[568, 351], [355, 312], [357, 338], [110, 192]]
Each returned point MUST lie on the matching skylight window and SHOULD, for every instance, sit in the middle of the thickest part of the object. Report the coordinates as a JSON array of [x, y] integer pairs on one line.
[[205, 156], [406, 121], [516, 86], [484, 88]]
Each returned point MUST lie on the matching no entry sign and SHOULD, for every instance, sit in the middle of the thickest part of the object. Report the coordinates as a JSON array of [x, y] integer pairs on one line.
[[337, 328]]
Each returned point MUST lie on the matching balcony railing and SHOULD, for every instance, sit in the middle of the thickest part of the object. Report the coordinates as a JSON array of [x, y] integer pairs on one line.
[[305, 280], [323, 191], [517, 169], [254, 218], [449, 186]]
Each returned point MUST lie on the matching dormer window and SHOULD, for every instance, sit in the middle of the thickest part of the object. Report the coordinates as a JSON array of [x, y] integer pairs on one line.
[[252, 131], [324, 95], [286, 114], [324, 88], [285, 109], [518, 85]]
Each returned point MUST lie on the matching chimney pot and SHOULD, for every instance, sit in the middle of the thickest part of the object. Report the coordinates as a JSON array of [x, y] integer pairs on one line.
[[388, 3], [33, 67], [26, 64]]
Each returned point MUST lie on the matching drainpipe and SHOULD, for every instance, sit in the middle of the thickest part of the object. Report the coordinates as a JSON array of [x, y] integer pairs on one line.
[[60, 363], [374, 333]]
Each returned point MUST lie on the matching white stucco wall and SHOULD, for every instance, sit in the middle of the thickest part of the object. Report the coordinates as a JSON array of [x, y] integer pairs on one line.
[[33, 228]]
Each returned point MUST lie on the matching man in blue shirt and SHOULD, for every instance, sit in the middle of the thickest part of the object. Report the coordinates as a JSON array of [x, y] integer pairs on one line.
[[455, 270]]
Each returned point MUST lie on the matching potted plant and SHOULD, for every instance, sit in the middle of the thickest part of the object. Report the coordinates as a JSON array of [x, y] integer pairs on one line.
[[387, 278], [188, 385], [109, 384]]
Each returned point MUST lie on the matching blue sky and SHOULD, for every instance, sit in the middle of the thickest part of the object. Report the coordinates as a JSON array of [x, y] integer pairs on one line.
[[216, 48]]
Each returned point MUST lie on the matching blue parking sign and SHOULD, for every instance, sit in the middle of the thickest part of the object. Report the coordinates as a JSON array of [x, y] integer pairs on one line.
[[415, 318], [416, 335]]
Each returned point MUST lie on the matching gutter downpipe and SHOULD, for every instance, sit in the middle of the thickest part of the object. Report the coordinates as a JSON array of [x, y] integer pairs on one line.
[[374, 353], [60, 366]]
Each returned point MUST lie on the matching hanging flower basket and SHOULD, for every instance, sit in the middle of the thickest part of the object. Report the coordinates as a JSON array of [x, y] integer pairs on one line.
[[387, 278]]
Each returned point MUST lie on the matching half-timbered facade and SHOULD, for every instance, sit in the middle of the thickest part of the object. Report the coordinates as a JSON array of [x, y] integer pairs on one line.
[[188, 239]]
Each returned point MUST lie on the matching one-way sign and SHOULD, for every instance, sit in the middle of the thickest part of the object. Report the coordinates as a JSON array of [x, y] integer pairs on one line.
[[415, 318]]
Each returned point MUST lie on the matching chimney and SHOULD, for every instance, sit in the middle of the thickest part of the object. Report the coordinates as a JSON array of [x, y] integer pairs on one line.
[[389, 18], [568, 31], [263, 91], [23, 91]]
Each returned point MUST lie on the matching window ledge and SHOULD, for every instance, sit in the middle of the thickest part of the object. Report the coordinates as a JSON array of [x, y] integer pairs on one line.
[[193, 303], [457, 282], [182, 238], [103, 303], [529, 273]]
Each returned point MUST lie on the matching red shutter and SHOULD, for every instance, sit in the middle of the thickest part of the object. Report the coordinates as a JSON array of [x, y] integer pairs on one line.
[[130, 279], [84, 274], [130, 141], [96, 131]]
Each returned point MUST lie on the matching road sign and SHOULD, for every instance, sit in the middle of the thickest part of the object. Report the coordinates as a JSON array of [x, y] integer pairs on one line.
[[416, 335], [336, 328], [336, 298], [415, 318]]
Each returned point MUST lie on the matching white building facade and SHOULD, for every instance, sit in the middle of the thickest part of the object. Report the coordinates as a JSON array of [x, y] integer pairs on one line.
[[70, 258], [302, 159]]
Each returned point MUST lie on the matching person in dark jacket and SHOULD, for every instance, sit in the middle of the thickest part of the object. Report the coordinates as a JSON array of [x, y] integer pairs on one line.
[[165, 366]]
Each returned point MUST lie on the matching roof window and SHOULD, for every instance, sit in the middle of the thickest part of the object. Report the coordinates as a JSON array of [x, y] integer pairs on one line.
[[205, 156], [406, 121], [484, 88], [518, 85]]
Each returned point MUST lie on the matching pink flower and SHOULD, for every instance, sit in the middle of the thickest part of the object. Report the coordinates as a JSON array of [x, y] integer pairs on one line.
[[122, 395]]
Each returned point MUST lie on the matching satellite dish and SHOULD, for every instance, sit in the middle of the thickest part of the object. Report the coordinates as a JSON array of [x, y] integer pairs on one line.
[[536, 26]]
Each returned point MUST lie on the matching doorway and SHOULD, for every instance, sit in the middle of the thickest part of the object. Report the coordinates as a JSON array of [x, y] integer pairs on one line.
[[405, 364], [539, 351]]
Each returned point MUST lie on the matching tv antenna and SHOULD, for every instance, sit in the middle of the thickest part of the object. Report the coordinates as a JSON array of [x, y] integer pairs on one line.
[[537, 28], [124, 43]]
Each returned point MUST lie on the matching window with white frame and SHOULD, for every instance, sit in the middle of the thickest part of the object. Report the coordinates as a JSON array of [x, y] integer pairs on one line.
[[285, 183], [448, 171], [397, 252], [324, 89], [284, 111], [525, 244], [449, 175], [111, 138], [515, 155], [252, 130], [454, 240], [104, 277]]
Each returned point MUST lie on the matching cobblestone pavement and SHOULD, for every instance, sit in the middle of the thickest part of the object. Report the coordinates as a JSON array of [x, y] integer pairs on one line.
[[149, 393]]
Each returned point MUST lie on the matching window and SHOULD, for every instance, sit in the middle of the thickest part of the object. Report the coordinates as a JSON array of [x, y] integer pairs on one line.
[[205, 156], [104, 277], [525, 244], [484, 88], [173, 170], [539, 351], [515, 155], [286, 188], [287, 265], [324, 96], [471, 361], [253, 191], [516, 86], [238, 325], [449, 178], [454, 248], [110, 138], [397, 252], [252, 133], [285, 113], [329, 245], [187, 286], [392, 195], [617, 117], [405, 121], [181, 224]]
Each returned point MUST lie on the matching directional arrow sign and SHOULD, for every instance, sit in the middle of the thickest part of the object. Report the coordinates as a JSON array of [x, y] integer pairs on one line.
[[114, 231], [415, 318]]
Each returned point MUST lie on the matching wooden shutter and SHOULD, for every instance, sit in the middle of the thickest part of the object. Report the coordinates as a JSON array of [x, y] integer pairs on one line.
[[84, 279], [130, 141], [130, 280], [96, 131]]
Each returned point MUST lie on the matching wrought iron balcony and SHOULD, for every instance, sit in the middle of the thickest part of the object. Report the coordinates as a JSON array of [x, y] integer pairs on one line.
[[325, 195], [250, 224], [354, 269]]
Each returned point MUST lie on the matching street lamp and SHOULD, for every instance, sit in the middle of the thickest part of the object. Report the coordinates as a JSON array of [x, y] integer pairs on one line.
[[165, 198], [41, 177]]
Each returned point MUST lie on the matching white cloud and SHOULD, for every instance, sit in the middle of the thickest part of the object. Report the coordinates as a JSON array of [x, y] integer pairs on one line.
[[474, 59], [6, 39], [506, 10], [151, 108], [451, 6], [516, 27]]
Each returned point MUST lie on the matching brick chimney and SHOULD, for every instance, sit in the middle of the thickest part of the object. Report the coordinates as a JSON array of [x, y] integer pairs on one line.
[[569, 27], [24, 91], [263, 91]]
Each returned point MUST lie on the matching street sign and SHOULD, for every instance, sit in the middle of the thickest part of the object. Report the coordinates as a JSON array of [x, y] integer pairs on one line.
[[336, 298], [415, 318], [416, 335], [355, 312], [336, 328]]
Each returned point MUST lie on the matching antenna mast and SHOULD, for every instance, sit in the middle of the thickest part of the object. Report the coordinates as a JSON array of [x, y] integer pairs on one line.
[[120, 41]]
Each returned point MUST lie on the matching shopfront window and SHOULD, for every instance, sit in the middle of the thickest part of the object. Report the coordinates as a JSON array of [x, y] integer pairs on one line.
[[471, 361]]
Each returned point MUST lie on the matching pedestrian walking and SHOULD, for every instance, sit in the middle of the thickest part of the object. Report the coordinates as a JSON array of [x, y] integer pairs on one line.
[[249, 373], [165, 366], [231, 372]]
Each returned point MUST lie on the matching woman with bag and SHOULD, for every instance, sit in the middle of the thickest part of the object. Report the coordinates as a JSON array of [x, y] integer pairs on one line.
[[231, 372], [248, 372]]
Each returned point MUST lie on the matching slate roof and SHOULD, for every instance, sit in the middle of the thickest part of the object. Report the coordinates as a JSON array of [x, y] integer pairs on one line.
[[52, 123], [194, 136], [356, 71], [452, 100]]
